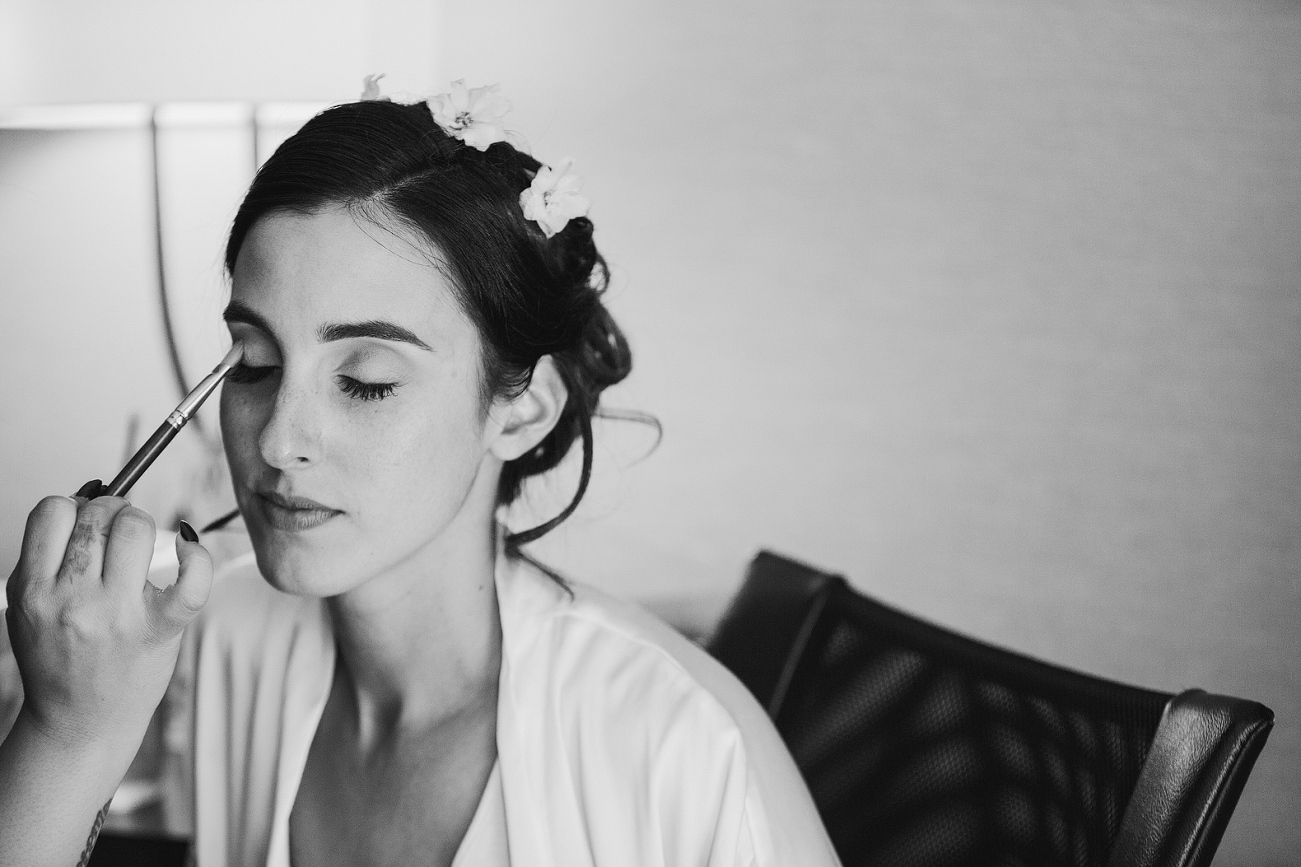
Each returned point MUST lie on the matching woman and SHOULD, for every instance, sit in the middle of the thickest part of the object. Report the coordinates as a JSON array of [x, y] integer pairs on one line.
[[393, 682]]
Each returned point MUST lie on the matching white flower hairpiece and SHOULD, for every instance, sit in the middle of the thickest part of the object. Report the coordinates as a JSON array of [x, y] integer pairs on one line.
[[472, 115], [370, 89], [553, 199]]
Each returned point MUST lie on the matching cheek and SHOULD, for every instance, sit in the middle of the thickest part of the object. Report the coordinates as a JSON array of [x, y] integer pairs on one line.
[[241, 423], [425, 461], [421, 451]]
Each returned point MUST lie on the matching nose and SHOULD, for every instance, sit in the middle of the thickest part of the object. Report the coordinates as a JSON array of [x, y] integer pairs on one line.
[[292, 436]]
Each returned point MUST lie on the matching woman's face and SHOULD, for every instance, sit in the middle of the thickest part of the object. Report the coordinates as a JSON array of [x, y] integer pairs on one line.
[[354, 426]]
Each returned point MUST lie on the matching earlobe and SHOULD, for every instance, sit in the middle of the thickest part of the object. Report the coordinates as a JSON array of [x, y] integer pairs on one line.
[[526, 420]]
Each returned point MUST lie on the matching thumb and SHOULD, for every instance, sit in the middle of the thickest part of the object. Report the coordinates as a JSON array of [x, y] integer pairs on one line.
[[180, 602]]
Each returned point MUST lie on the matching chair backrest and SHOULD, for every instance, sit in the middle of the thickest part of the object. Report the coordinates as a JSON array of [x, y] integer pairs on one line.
[[124, 850], [923, 747]]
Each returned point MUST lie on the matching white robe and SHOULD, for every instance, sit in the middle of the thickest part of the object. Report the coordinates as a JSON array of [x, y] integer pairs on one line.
[[619, 742]]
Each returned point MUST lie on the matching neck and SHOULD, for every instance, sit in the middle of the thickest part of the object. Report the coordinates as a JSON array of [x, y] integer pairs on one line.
[[421, 644]]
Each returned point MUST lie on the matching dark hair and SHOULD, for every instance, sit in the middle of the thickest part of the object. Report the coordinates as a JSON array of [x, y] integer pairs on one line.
[[528, 295]]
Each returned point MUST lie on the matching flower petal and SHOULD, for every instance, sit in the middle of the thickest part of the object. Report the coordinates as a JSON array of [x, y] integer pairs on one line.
[[544, 181], [444, 112], [481, 135], [471, 115], [370, 89], [568, 184], [571, 205], [552, 199], [533, 203], [459, 97], [486, 104]]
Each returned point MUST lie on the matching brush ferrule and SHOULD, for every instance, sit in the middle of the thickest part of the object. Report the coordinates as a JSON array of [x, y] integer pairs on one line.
[[195, 398]]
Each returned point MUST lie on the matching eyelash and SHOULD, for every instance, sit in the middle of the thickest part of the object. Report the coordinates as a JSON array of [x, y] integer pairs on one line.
[[243, 373], [366, 390], [354, 388]]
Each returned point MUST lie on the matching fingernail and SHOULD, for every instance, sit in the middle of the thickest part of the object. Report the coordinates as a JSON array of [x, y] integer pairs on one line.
[[187, 533], [90, 490]]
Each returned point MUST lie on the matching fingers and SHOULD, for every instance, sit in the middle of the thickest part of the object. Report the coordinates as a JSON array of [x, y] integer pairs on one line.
[[49, 526], [84, 557], [129, 549], [180, 602]]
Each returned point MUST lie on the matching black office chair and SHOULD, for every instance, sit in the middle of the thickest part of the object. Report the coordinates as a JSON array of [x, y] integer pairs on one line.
[[125, 850], [922, 747]]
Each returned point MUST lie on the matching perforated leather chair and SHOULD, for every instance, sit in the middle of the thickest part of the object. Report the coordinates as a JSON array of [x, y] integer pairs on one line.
[[923, 747], [126, 850]]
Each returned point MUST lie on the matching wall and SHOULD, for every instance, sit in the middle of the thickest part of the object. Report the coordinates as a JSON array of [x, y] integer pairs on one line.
[[155, 50], [994, 307]]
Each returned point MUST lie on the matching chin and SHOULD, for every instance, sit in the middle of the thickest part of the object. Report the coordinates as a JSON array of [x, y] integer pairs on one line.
[[294, 565]]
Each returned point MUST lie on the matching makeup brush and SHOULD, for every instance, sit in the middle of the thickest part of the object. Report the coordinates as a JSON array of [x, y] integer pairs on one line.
[[154, 446]]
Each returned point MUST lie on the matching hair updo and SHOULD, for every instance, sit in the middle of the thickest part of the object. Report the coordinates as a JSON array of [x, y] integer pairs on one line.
[[527, 294]]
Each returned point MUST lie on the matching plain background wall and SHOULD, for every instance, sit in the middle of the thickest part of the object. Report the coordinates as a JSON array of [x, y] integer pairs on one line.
[[994, 307]]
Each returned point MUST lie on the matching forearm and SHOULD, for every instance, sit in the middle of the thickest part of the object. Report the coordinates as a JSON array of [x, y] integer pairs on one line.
[[52, 794]]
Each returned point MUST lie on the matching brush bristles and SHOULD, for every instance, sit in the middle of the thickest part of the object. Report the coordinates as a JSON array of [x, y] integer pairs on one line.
[[232, 358]]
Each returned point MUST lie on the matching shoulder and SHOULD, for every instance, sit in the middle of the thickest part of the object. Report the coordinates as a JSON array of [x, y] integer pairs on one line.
[[608, 654], [648, 721]]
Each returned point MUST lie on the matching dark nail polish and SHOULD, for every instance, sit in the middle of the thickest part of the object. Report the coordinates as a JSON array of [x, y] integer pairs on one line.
[[90, 490], [187, 533]]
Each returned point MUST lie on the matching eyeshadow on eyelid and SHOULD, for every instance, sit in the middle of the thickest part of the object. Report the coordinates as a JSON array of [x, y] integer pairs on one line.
[[365, 353]]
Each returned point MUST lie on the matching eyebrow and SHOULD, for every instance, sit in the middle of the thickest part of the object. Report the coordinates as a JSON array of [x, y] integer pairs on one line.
[[330, 331]]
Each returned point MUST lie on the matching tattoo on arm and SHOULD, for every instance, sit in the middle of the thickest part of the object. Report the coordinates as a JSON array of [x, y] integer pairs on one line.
[[94, 834]]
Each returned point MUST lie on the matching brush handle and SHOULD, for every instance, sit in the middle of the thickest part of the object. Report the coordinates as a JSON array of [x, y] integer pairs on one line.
[[141, 460], [188, 406]]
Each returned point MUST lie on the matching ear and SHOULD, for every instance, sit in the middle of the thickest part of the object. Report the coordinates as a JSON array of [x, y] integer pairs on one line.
[[524, 422]]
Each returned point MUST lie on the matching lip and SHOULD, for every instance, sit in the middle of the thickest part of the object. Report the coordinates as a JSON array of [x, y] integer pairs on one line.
[[293, 514]]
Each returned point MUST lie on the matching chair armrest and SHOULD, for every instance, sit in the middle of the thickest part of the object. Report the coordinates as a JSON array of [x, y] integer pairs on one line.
[[1199, 762]]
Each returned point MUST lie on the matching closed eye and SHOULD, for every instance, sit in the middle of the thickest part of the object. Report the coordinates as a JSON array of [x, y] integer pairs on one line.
[[243, 373], [366, 390]]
